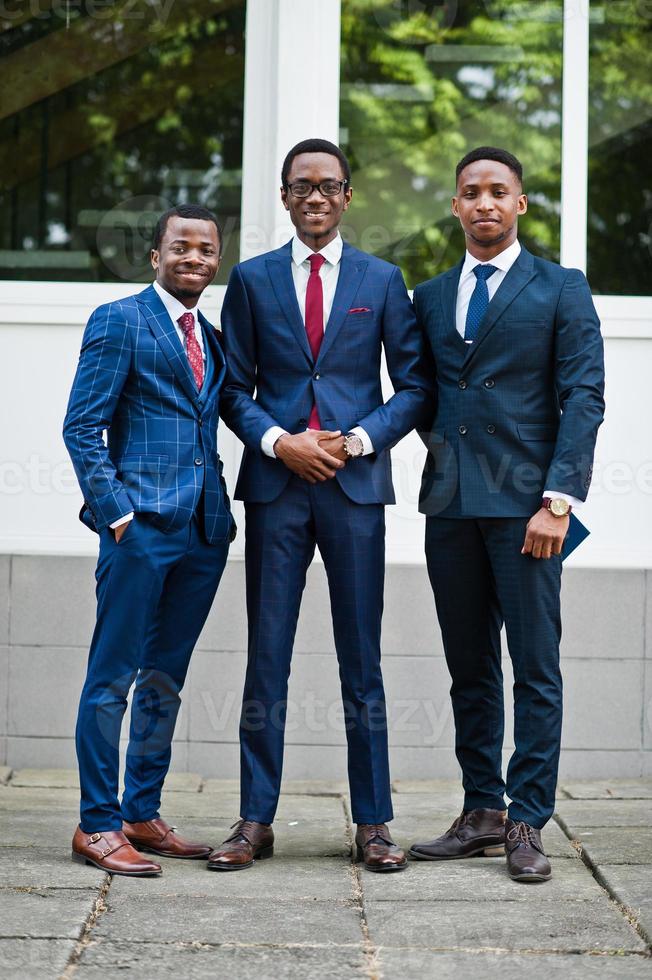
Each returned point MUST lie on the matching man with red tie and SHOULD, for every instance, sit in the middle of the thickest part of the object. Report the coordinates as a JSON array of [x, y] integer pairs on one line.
[[304, 328], [150, 372]]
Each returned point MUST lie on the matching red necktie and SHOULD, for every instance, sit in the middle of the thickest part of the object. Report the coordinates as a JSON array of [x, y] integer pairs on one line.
[[315, 320], [193, 350]]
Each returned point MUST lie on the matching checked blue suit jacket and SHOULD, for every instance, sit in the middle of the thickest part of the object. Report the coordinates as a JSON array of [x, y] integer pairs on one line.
[[519, 409], [134, 380], [267, 352]]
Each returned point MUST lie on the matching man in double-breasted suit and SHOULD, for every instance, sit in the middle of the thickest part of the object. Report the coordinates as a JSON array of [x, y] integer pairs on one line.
[[519, 375], [150, 372], [304, 328]]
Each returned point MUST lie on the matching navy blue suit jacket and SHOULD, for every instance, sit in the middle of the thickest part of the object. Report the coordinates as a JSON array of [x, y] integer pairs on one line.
[[268, 354], [519, 409], [134, 380]]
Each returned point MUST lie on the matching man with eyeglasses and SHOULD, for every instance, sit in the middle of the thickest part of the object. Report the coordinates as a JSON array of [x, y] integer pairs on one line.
[[304, 328]]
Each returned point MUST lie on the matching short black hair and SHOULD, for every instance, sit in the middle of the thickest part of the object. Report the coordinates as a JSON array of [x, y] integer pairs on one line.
[[196, 211], [315, 146], [491, 153]]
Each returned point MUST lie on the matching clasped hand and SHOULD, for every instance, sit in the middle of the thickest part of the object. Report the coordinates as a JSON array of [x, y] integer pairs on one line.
[[315, 455]]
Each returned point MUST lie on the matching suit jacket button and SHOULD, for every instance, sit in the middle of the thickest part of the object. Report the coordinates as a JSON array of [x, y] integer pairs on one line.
[[199, 461], [303, 421], [316, 377], [491, 429], [489, 383], [462, 384], [462, 430]]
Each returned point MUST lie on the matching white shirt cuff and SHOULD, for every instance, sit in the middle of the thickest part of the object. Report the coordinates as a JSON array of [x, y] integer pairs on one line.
[[123, 520], [270, 437], [573, 501], [368, 446]]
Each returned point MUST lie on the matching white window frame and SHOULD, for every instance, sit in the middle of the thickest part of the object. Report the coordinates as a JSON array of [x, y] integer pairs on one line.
[[292, 64]]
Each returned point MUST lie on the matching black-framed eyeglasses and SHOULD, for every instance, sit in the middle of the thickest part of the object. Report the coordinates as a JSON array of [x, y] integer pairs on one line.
[[327, 188]]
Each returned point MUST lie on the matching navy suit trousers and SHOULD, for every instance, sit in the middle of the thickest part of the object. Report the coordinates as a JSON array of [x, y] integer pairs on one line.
[[280, 543], [480, 581], [154, 592]]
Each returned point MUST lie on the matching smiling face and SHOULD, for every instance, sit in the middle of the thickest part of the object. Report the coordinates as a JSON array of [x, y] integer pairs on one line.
[[316, 218], [488, 201], [187, 259]]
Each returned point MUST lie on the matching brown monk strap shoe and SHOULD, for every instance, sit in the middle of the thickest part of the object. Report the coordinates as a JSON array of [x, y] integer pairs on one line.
[[111, 851], [474, 832], [377, 850], [526, 859], [158, 837], [249, 841]]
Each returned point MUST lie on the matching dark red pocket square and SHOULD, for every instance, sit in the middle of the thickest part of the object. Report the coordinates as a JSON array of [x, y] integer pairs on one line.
[[360, 309]]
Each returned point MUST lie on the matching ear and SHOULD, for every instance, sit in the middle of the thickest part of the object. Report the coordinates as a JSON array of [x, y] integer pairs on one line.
[[155, 258], [284, 198], [347, 198], [454, 209], [521, 206]]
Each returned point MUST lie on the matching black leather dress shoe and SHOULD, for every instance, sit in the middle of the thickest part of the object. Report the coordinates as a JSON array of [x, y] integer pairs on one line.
[[526, 859], [480, 831]]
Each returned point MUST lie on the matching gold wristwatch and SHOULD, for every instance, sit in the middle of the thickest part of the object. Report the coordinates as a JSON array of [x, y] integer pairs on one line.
[[557, 506]]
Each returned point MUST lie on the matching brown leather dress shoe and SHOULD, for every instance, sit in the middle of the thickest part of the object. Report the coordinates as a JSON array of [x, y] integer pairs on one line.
[[250, 841], [377, 849], [480, 831], [111, 851], [158, 837], [526, 858]]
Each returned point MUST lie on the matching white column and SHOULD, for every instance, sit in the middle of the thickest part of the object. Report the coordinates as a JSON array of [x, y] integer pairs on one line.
[[291, 93], [575, 134]]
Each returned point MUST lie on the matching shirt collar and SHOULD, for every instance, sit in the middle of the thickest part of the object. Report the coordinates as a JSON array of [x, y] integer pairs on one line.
[[503, 261], [331, 252], [175, 308]]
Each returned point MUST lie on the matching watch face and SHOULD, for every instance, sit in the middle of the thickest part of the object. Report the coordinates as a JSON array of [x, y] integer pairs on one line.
[[353, 445], [559, 507]]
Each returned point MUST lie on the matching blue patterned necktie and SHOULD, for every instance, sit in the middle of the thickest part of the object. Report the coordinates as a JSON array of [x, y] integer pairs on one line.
[[479, 302]]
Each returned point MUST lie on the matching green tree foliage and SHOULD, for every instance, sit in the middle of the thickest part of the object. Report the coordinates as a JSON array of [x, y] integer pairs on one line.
[[424, 82]]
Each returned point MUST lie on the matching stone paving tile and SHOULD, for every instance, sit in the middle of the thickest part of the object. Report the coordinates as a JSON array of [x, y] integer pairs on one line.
[[625, 845], [5, 773], [19, 799], [296, 787], [419, 964], [631, 885], [34, 959], [436, 786], [104, 959], [609, 789], [483, 879], [594, 813], [33, 828], [47, 913], [278, 879], [46, 778], [209, 919], [573, 927], [45, 867], [183, 782]]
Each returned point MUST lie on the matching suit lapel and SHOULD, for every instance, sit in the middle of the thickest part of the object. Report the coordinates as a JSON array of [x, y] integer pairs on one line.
[[353, 266], [516, 279], [448, 297], [217, 356], [279, 268], [167, 337]]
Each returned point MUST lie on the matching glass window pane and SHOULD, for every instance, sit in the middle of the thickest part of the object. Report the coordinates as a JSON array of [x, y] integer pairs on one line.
[[423, 82], [620, 149], [106, 120]]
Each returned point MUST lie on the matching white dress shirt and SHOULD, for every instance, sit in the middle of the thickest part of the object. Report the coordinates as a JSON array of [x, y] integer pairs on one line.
[[503, 263], [175, 309], [329, 274]]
